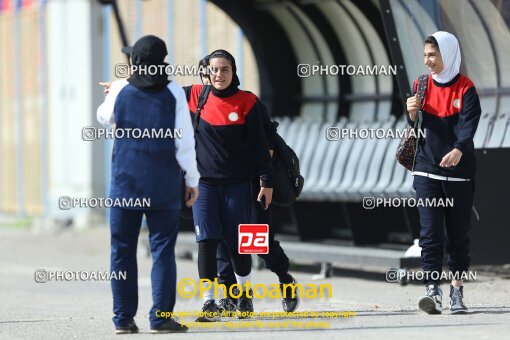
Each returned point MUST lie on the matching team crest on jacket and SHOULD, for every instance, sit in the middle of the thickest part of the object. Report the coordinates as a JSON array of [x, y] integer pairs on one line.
[[456, 103], [233, 116]]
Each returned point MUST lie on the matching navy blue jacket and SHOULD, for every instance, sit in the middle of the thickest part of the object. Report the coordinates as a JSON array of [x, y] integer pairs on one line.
[[146, 168], [451, 113]]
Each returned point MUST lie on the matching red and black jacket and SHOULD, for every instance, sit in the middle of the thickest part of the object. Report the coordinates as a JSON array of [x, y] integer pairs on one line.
[[451, 113], [231, 142]]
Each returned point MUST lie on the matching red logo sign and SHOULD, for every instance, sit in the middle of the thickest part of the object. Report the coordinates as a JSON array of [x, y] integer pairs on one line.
[[253, 239]]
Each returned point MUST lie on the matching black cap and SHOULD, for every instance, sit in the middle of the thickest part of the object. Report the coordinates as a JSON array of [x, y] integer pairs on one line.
[[148, 49]]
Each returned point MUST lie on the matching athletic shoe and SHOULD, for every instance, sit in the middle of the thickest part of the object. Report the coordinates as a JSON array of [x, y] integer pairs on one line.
[[227, 307], [456, 304], [289, 303], [244, 306], [170, 326], [210, 312], [131, 328], [431, 303]]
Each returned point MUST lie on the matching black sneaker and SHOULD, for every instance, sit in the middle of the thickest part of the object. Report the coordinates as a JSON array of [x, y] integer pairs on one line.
[[170, 326], [289, 303], [431, 303], [245, 306], [131, 328], [210, 312], [456, 304], [227, 307]]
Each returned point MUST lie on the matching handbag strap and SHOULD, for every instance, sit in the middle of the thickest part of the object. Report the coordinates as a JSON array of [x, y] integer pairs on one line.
[[422, 88]]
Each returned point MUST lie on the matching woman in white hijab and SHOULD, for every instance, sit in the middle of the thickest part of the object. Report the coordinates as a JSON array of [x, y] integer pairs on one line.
[[445, 168]]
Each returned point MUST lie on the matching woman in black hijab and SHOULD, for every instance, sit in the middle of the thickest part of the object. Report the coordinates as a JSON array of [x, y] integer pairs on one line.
[[231, 145]]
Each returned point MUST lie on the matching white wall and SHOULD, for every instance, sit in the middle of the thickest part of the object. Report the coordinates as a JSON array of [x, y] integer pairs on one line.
[[70, 101]]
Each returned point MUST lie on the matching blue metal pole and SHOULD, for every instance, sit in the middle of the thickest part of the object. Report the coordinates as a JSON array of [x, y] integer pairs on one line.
[[17, 112], [170, 30], [202, 12], [138, 19], [240, 55], [43, 138]]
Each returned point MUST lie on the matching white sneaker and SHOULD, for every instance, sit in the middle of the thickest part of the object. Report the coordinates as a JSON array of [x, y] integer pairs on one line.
[[432, 302], [414, 250]]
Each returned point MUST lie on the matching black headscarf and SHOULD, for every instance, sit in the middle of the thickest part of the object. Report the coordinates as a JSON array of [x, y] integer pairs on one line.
[[148, 50], [202, 66], [232, 88]]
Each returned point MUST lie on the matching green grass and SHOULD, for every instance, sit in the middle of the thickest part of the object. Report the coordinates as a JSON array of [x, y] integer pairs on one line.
[[15, 223]]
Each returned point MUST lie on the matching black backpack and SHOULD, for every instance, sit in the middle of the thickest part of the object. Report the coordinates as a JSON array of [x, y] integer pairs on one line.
[[287, 180]]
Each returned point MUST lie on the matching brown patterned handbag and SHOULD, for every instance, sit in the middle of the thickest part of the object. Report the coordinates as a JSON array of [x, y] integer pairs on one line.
[[407, 148]]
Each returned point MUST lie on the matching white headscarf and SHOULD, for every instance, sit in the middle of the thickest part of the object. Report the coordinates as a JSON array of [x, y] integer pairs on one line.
[[450, 53]]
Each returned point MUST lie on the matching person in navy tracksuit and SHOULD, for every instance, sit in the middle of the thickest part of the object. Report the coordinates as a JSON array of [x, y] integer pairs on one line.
[[148, 168], [445, 168], [231, 144], [275, 260]]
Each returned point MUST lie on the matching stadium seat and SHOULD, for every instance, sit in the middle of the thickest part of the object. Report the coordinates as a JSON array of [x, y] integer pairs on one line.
[[406, 190], [324, 168], [482, 131], [291, 134], [363, 111], [390, 163], [499, 129], [313, 133], [397, 180], [349, 169], [359, 147], [504, 105], [301, 140], [506, 139], [376, 165], [363, 169], [488, 105], [343, 148], [318, 160]]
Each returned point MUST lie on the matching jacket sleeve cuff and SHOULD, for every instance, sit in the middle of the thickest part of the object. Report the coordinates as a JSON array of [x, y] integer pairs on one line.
[[192, 181], [267, 181], [460, 146]]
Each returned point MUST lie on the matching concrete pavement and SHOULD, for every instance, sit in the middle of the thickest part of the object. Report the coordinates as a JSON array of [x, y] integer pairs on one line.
[[78, 309]]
